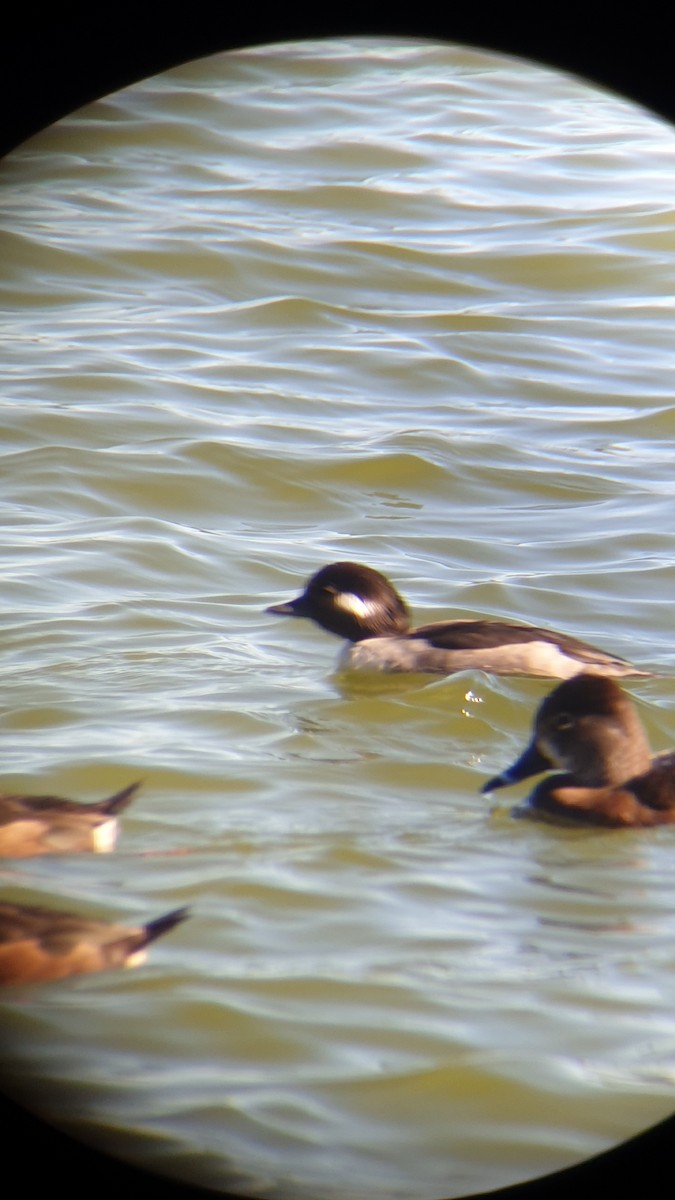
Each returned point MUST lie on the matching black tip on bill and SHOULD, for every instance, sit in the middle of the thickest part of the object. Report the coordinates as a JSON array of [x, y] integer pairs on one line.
[[493, 784]]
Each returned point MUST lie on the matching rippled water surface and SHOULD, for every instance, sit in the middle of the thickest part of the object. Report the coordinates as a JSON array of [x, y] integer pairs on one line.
[[401, 303]]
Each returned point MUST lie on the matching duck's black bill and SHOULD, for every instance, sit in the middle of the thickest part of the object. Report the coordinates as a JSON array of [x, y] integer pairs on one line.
[[290, 608], [531, 762]]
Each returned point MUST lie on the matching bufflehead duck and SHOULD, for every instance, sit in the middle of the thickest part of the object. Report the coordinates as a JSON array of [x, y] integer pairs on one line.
[[37, 944], [590, 729], [360, 604], [32, 825]]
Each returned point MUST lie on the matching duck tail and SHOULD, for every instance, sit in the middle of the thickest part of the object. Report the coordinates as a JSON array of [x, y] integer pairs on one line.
[[161, 925], [120, 800]]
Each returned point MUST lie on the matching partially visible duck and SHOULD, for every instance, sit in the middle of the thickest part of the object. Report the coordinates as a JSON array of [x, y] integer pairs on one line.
[[32, 825], [38, 944], [590, 729], [361, 605]]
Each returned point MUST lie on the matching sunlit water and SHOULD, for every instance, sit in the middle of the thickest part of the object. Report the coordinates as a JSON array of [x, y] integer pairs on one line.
[[401, 303]]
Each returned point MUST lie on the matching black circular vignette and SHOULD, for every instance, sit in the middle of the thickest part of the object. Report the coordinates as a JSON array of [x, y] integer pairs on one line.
[[61, 57], [75, 52]]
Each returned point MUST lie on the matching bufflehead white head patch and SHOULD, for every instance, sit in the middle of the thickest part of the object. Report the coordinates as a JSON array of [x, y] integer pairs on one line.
[[355, 605]]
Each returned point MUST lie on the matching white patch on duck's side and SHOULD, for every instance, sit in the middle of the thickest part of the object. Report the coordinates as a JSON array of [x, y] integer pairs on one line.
[[136, 958], [104, 837], [356, 605]]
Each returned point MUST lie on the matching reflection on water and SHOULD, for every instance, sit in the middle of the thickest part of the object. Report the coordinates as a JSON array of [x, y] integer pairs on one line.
[[401, 303]]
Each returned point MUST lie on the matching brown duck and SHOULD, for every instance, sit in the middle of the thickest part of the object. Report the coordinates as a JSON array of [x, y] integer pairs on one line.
[[589, 729], [31, 825], [38, 944]]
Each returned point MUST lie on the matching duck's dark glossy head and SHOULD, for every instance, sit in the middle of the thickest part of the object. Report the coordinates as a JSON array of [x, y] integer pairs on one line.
[[350, 600]]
